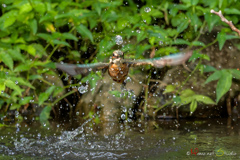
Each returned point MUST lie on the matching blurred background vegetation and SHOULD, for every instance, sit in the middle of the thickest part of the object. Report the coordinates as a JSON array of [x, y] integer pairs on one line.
[[36, 33]]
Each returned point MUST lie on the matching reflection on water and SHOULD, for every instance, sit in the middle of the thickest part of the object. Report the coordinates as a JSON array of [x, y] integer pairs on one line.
[[166, 139]]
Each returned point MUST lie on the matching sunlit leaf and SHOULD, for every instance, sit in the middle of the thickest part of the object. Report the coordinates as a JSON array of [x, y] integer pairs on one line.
[[9, 21], [2, 86], [25, 8], [31, 50]]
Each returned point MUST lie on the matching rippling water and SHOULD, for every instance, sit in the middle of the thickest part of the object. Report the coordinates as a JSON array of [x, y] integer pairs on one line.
[[165, 139]]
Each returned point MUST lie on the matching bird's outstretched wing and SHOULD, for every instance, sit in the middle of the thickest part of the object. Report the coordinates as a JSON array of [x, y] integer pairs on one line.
[[171, 60], [83, 69]]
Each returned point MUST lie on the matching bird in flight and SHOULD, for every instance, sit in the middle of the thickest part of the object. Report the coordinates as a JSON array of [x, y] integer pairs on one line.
[[118, 67]]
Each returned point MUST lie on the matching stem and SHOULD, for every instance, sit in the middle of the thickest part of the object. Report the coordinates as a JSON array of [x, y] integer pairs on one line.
[[67, 94], [146, 95], [189, 76]]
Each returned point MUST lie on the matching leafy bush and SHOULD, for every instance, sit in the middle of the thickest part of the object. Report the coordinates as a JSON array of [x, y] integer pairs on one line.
[[34, 33]]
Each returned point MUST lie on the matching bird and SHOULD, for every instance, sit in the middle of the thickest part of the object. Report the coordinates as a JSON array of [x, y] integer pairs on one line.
[[118, 67]]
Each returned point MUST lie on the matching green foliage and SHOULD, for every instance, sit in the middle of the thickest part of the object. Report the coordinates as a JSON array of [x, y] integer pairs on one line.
[[35, 32], [224, 78]]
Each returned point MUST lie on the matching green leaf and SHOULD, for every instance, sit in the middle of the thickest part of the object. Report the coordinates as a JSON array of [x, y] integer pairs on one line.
[[215, 76], [182, 26], [50, 90], [45, 114], [69, 36], [187, 93], [22, 81], [193, 106], [42, 98], [31, 50], [9, 21], [6, 59], [15, 106], [83, 30], [12, 85], [58, 91], [235, 73], [16, 55], [45, 95], [204, 99], [61, 42], [33, 25], [25, 8], [223, 84], [207, 68], [122, 23], [211, 20], [169, 88], [221, 37], [32, 77], [22, 68], [25, 100], [180, 41], [232, 11], [198, 43], [2, 87], [45, 36]]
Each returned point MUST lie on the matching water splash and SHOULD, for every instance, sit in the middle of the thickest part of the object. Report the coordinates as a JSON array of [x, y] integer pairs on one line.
[[147, 9], [83, 89], [119, 40]]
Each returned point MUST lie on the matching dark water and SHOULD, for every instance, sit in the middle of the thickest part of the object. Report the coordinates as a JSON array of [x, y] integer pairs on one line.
[[165, 139]]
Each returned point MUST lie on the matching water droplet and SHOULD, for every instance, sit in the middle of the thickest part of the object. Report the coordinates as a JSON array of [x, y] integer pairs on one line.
[[119, 40], [123, 116], [160, 42], [147, 9], [16, 82], [83, 89]]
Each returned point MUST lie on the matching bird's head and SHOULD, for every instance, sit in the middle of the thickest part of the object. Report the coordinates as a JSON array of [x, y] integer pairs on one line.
[[117, 56]]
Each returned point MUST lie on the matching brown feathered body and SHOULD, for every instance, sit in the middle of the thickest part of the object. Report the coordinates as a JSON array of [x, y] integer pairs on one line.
[[118, 72]]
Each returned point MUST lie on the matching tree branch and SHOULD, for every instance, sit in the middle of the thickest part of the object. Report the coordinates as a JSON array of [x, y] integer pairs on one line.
[[223, 19]]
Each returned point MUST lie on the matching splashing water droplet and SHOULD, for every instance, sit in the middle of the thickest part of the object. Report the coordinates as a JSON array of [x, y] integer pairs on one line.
[[118, 40], [83, 89], [147, 9], [16, 82], [123, 116]]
